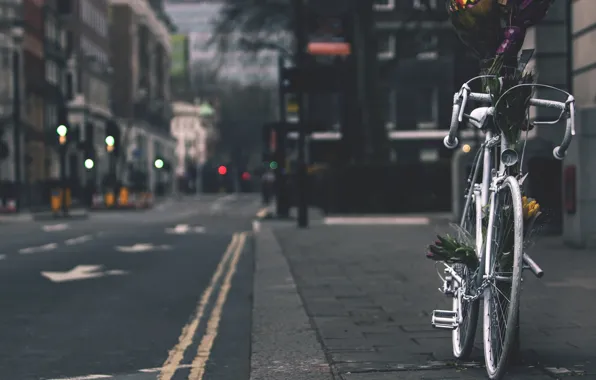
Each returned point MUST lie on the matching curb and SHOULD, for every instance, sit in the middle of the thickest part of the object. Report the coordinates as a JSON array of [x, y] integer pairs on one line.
[[282, 331], [52, 216]]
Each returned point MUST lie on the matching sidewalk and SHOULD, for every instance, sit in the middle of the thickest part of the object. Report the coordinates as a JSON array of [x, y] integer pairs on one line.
[[369, 292]]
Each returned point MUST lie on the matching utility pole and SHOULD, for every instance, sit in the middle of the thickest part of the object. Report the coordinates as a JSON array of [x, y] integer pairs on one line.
[[300, 65], [16, 121], [281, 135]]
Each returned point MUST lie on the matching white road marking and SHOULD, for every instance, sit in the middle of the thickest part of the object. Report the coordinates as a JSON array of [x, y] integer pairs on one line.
[[2, 257], [219, 202], [88, 377], [93, 377], [142, 247], [41, 248], [81, 272], [78, 240], [380, 220], [182, 229], [153, 370], [55, 227]]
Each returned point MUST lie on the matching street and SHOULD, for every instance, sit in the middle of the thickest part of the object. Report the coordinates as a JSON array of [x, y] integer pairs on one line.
[[199, 288], [130, 295]]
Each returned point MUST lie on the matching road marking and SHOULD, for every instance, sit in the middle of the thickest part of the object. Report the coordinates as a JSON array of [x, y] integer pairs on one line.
[[218, 203], [2, 257], [88, 377], [142, 247], [176, 354], [263, 212], [182, 229], [81, 272], [256, 226], [153, 370], [404, 220], [41, 248], [78, 240], [55, 227], [204, 351]]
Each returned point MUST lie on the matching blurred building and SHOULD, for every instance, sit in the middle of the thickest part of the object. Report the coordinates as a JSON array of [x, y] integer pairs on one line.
[[422, 64], [180, 77], [87, 89], [141, 96], [195, 137]]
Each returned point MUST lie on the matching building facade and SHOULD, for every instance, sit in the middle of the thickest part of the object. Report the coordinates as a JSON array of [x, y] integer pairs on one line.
[[421, 65], [194, 143], [579, 188], [88, 81], [141, 100]]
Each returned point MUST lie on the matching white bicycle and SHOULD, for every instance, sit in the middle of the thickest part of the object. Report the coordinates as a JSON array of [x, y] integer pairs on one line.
[[500, 251]]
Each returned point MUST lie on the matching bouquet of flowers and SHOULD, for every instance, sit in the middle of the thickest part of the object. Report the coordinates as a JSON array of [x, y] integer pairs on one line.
[[462, 249], [495, 27]]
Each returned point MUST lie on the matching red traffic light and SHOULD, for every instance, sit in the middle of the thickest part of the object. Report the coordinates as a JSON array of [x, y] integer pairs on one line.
[[245, 176], [222, 170]]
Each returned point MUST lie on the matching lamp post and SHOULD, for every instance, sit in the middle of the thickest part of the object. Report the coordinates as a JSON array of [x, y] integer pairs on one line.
[[17, 33], [300, 33]]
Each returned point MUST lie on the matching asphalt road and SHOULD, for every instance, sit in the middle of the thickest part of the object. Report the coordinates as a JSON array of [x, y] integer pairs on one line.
[[163, 294]]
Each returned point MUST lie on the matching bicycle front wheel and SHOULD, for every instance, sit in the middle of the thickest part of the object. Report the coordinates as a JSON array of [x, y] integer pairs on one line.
[[503, 273]]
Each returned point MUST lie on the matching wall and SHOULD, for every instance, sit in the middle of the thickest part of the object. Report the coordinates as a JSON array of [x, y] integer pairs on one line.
[[579, 228]]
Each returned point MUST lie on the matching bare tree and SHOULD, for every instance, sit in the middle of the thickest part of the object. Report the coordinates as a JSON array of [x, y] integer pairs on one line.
[[253, 26]]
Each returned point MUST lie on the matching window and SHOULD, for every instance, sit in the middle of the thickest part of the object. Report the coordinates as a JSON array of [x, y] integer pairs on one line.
[[391, 108], [384, 5], [386, 47], [426, 107], [424, 5]]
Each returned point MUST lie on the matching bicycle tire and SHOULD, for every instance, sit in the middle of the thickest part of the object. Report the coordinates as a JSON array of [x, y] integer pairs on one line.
[[462, 338], [503, 209]]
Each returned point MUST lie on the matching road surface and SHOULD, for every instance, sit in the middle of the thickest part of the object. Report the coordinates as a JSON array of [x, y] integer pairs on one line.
[[163, 294]]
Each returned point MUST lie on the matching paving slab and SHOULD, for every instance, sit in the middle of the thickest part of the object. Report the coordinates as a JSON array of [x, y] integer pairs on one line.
[[370, 292]]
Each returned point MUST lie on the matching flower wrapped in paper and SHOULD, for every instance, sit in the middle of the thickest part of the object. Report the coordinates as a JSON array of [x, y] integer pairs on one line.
[[478, 25], [495, 27]]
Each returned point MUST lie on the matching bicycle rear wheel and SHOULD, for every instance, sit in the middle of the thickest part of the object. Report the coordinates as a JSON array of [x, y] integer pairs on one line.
[[503, 270]]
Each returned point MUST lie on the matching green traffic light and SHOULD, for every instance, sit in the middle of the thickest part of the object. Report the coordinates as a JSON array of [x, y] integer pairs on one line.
[[273, 165], [62, 130], [89, 164], [159, 163], [110, 140]]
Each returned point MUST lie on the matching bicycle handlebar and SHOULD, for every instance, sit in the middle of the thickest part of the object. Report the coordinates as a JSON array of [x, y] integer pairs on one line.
[[464, 94]]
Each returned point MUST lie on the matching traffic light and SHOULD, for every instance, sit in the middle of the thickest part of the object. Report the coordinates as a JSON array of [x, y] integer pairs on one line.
[[273, 165], [110, 142], [158, 163], [222, 170], [245, 176], [89, 164], [112, 139], [62, 131]]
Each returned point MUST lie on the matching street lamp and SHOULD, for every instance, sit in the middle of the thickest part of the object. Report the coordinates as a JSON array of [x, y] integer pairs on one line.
[[17, 33]]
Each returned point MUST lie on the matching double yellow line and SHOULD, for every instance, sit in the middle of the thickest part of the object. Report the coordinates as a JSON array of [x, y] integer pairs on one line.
[[226, 268]]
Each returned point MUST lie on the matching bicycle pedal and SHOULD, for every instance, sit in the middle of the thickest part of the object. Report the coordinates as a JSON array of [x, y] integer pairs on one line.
[[444, 319]]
